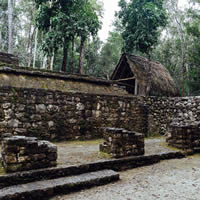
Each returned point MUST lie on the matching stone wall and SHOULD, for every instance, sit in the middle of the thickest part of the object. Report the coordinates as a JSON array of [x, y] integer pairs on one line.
[[162, 111], [21, 153], [58, 115], [19, 77], [55, 115]]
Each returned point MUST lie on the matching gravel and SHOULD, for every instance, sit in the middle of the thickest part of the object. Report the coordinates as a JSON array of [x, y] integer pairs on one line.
[[167, 180], [81, 152]]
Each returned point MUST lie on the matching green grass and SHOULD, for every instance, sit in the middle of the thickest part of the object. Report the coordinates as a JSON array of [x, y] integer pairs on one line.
[[2, 171], [82, 142], [164, 144], [103, 155], [197, 155]]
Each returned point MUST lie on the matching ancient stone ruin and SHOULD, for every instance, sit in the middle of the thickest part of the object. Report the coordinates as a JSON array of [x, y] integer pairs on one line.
[[120, 142], [21, 153], [184, 135], [8, 59]]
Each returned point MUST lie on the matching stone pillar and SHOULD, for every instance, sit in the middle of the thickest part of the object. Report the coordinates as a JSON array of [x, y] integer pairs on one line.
[[120, 143], [184, 135]]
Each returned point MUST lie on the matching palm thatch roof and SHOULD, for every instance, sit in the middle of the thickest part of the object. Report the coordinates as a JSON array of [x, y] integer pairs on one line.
[[152, 76]]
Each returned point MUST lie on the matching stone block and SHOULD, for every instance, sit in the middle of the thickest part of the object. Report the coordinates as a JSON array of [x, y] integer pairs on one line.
[[21, 153], [184, 135], [119, 142]]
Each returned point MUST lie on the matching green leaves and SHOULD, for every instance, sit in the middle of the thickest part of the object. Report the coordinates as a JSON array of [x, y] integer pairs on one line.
[[141, 21]]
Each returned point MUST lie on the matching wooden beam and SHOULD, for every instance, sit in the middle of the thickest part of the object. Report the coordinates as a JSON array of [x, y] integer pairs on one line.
[[125, 79]]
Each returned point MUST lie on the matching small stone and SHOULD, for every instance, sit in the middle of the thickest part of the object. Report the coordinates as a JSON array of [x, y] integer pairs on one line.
[[51, 124], [6, 105], [41, 108], [13, 123], [80, 106]]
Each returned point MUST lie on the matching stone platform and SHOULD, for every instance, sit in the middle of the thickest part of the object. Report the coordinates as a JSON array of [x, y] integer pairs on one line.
[[121, 143], [184, 135], [20, 153]]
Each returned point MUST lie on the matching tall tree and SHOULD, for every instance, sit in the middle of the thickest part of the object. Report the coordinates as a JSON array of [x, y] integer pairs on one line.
[[3, 25], [66, 21], [10, 26], [141, 21], [88, 24]]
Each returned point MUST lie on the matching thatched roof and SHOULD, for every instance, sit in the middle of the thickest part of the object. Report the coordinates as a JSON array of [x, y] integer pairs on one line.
[[152, 75]]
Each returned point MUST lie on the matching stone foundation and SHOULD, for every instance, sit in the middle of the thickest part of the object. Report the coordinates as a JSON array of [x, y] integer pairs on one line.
[[21, 153], [185, 136], [121, 143]]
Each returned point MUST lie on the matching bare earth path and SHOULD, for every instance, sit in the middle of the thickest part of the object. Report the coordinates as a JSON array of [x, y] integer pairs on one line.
[[168, 180], [79, 152]]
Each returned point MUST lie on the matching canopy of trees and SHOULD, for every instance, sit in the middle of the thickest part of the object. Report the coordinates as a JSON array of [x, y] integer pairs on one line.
[[62, 35]]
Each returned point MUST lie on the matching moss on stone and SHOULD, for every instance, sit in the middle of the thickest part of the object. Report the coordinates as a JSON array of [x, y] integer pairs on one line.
[[2, 171], [85, 142], [104, 155], [164, 144]]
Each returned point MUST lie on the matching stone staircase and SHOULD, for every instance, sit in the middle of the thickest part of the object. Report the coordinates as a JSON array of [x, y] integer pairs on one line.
[[47, 188], [43, 183]]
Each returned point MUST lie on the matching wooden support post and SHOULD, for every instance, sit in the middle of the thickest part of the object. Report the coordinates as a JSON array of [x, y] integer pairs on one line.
[[136, 87]]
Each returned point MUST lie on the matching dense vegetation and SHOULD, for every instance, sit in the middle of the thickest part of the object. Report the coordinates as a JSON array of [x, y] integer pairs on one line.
[[63, 35]]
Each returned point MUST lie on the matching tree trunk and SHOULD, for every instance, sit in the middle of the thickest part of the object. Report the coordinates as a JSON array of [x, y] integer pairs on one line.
[[10, 26], [80, 71], [65, 56], [31, 49], [44, 62], [73, 55], [35, 48], [183, 75], [52, 60], [30, 30]]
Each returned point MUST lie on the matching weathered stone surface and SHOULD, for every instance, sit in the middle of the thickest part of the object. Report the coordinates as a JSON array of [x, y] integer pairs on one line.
[[64, 185], [119, 142], [21, 153], [114, 164], [185, 135], [55, 115]]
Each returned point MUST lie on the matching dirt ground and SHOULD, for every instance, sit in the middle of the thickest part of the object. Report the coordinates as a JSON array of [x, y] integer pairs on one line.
[[80, 152], [70, 153], [167, 180]]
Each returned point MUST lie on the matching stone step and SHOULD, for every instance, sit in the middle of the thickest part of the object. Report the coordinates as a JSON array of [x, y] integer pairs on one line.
[[112, 164], [43, 189]]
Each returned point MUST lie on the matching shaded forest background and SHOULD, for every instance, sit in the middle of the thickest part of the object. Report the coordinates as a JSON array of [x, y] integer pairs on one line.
[[63, 36]]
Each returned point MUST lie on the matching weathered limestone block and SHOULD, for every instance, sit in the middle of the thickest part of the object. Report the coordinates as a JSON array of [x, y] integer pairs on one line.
[[21, 153], [184, 135], [120, 142]]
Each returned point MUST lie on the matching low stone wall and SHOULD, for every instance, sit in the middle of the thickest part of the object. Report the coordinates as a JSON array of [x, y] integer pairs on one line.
[[184, 135], [121, 143], [21, 153], [19, 77], [55, 115]]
